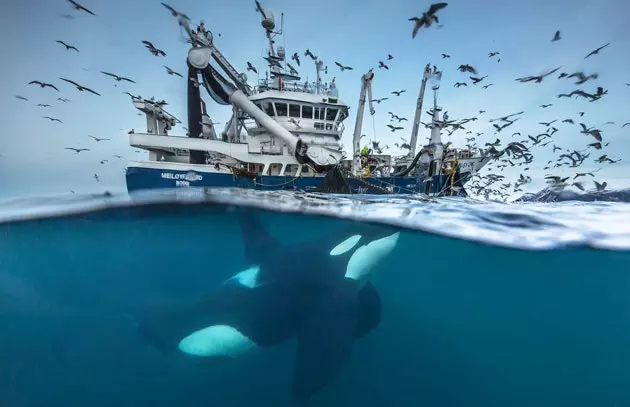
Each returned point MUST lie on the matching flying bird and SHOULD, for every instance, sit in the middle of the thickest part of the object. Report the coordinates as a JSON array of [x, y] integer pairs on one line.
[[172, 72], [174, 12], [77, 150], [153, 50], [97, 139], [308, 53], [467, 68], [296, 58], [398, 92], [251, 67], [595, 52], [68, 47], [477, 80], [64, 100], [427, 19], [538, 78], [52, 119], [556, 37], [43, 85], [343, 67], [21, 98], [80, 88], [382, 64], [116, 77], [43, 105], [79, 7]]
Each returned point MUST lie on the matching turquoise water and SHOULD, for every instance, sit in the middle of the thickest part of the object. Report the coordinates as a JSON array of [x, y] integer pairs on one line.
[[483, 304]]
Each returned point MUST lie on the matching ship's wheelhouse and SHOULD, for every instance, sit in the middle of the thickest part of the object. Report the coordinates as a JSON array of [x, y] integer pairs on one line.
[[311, 116]]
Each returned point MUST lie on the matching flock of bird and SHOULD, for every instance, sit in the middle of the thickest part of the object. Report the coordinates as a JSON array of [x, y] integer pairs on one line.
[[517, 152], [81, 88]]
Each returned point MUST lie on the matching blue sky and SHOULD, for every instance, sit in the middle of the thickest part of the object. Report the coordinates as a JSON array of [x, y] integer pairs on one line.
[[33, 160]]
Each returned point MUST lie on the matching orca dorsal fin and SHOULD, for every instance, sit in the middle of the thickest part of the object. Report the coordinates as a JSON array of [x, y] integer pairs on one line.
[[258, 243]]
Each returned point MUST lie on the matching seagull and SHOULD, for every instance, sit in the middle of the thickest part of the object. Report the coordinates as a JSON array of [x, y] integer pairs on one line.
[[581, 78], [597, 50], [381, 64], [77, 150], [343, 67], [21, 98], [172, 72], [296, 58], [64, 100], [477, 80], [79, 7], [174, 12], [251, 67], [97, 139], [398, 92], [467, 68], [79, 87], [427, 18], [68, 47], [538, 78], [43, 105], [52, 119], [152, 49], [556, 37], [117, 78], [308, 53], [43, 85]]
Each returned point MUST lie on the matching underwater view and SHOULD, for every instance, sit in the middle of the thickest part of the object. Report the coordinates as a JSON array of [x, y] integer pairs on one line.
[[345, 301], [337, 203]]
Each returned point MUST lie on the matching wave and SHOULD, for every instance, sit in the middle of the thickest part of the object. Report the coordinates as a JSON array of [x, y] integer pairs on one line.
[[552, 194], [530, 226]]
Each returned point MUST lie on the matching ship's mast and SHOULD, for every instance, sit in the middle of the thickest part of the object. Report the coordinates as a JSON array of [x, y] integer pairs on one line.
[[413, 141], [318, 69]]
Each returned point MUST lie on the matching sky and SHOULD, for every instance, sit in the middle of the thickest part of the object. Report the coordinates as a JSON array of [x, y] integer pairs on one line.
[[33, 160]]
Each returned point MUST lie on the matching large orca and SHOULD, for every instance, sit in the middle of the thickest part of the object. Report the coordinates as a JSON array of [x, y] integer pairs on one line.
[[317, 291]]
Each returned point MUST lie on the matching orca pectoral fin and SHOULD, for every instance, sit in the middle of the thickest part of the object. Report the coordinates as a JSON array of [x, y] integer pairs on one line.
[[325, 335]]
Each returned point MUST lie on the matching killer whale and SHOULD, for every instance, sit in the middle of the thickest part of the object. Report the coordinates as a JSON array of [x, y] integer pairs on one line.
[[318, 291]]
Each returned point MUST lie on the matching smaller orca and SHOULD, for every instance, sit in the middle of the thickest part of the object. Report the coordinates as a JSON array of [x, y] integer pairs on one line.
[[317, 291]]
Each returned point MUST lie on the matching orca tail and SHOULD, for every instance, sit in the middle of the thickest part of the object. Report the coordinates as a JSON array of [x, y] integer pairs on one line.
[[326, 333]]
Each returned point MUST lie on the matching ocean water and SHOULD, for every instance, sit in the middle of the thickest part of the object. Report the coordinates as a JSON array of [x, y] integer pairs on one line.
[[483, 304]]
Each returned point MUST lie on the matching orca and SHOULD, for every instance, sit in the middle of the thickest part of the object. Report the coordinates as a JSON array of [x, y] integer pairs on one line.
[[318, 291]]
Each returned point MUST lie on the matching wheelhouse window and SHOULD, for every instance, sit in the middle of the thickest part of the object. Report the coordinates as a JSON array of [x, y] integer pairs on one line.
[[281, 109], [307, 112], [267, 107], [319, 126], [343, 114], [294, 110], [318, 116], [331, 114]]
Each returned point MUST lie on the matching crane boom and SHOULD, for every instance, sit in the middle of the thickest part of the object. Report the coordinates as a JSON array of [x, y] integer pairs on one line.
[[202, 40], [366, 87]]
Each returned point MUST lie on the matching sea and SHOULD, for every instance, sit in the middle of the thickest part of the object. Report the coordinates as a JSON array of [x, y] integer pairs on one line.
[[483, 304]]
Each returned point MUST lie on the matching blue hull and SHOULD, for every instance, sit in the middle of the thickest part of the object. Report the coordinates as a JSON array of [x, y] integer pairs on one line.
[[139, 178]]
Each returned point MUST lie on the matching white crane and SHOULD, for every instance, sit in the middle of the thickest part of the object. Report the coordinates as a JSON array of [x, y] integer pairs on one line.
[[366, 86]]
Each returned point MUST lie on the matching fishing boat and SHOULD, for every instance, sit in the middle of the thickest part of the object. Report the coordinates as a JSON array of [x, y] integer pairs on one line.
[[284, 133]]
